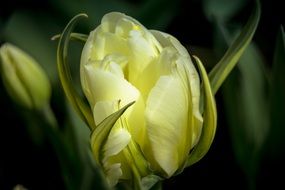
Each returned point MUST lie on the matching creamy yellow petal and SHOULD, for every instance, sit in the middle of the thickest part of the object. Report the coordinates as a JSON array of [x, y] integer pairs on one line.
[[116, 142], [106, 86], [109, 21], [136, 121], [166, 120], [118, 139], [145, 50], [113, 173], [167, 40]]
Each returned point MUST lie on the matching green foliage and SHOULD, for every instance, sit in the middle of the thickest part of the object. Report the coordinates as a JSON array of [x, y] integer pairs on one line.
[[210, 118], [74, 98], [253, 101], [222, 69], [277, 102]]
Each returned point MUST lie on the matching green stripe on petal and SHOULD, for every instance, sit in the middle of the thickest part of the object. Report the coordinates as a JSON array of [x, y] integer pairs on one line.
[[210, 119]]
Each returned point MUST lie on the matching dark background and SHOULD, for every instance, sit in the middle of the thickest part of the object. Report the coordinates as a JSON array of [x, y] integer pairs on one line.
[[37, 167]]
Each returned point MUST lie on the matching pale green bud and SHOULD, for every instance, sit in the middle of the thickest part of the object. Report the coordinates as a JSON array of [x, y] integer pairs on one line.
[[25, 81]]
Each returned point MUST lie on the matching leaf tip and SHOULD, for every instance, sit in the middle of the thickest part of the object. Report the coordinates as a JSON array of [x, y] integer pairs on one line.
[[55, 37]]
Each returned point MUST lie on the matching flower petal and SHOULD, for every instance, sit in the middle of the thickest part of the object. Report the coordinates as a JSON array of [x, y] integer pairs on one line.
[[116, 142], [103, 85], [166, 120], [111, 153], [145, 51], [113, 174], [184, 59]]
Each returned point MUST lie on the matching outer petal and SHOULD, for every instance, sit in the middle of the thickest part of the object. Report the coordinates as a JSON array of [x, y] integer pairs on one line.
[[184, 59], [167, 40], [166, 120]]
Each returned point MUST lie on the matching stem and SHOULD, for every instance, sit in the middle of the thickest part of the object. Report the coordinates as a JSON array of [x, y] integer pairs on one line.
[[49, 117], [50, 127]]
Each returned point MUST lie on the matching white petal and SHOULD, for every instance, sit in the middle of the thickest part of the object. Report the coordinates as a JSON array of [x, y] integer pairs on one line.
[[106, 86], [113, 173], [144, 51], [136, 121], [118, 139], [184, 59], [167, 40], [105, 43], [116, 142], [166, 120], [110, 20]]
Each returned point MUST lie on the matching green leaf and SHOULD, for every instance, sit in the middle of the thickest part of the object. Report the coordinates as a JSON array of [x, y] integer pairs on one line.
[[220, 72], [65, 77], [100, 134], [277, 100], [222, 10], [210, 119], [73, 36], [246, 108]]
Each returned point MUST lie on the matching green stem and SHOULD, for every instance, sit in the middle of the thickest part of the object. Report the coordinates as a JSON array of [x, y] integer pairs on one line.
[[50, 127], [49, 117]]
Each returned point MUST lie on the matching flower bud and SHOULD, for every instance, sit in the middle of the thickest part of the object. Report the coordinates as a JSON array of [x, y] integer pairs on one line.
[[123, 62], [24, 79]]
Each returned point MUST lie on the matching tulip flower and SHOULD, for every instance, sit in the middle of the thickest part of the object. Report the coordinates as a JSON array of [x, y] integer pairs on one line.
[[123, 62], [150, 111], [24, 79]]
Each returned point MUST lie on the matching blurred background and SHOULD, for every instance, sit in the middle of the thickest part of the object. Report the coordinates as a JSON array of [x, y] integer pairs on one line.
[[248, 151]]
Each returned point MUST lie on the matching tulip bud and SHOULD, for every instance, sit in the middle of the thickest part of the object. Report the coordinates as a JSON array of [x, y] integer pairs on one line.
[[24, 79], [123, 62]]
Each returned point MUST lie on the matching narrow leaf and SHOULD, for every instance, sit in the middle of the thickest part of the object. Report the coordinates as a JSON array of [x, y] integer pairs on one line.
[[100, 134], [220, 72], [210, 119], [73, 36], [65, 77], [277, 107], [222, 10], [246, 110]]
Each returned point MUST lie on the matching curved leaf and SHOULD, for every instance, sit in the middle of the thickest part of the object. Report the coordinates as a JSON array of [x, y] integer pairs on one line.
[[220, 72], [73, 36], [101, 133], [210, 119], [277, 93], [65, 77]]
